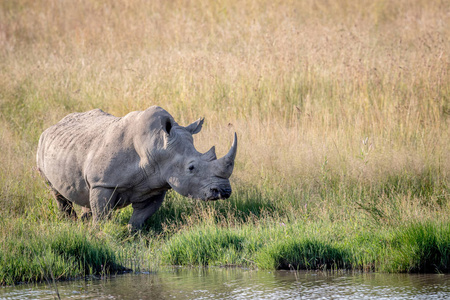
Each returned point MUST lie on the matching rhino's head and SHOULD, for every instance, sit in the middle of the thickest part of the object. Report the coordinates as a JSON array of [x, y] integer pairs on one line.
[[191, 173]]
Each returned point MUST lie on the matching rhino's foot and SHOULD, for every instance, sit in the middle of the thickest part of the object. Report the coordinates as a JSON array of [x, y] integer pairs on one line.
[[86, 216], [133, 229]]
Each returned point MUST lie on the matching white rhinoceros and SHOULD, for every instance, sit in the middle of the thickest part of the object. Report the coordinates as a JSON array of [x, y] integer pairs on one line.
[[102, 162]]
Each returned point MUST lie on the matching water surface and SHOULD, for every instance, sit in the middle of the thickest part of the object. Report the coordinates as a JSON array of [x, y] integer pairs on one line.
[[222, 283]]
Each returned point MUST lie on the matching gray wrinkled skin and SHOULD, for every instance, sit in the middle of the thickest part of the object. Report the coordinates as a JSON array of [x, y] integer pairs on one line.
[[102, 162]]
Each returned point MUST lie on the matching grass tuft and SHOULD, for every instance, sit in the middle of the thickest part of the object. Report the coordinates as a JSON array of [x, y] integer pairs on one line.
[[53, 251]]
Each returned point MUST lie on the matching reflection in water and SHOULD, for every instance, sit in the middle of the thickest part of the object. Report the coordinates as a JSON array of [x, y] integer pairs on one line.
[[220, 283]]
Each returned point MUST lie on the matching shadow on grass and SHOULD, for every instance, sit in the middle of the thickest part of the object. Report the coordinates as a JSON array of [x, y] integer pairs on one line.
[[178, 211], [302, 255]]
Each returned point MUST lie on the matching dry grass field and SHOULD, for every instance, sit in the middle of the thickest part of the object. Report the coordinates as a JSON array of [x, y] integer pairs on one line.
[[342, 108]]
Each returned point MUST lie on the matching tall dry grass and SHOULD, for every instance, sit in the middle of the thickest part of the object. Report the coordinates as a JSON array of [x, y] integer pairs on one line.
[[323, 94]]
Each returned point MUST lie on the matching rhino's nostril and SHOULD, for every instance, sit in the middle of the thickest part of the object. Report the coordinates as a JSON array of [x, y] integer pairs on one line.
[[214, 191]]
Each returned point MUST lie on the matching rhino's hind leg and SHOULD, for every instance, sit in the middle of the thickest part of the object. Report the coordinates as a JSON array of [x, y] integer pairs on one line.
[[64, 205]]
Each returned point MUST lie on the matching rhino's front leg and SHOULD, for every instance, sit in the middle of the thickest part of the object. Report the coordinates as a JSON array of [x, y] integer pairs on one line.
[[102, 201], [144, 210]]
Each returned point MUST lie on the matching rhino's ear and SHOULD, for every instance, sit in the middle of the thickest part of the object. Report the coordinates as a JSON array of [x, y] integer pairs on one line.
[[167, 125], [196, 126]]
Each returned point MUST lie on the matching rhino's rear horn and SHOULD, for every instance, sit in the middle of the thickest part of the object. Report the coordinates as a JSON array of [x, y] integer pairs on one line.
[[225, 164], [210, 155]]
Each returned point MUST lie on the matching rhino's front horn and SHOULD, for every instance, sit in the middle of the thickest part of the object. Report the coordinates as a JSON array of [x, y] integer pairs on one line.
[[225, 164]]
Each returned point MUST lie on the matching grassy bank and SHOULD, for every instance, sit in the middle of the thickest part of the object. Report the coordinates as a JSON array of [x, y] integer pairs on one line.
[[296, 245], [342, 111], [52, 251], [63, 249]]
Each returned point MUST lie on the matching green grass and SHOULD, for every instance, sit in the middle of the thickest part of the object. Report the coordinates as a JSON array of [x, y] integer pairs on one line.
[[238, 232], [418, 247], [51, 251]]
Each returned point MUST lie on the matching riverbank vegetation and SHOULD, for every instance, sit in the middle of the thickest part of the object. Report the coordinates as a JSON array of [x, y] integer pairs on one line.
[[342, 111]]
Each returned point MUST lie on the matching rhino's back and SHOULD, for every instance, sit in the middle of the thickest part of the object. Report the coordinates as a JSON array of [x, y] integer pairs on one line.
[[65, 147], [77, 128]]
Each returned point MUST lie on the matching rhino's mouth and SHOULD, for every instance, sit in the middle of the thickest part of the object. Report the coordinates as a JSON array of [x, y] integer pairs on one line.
[[218, 193], [213, 194]]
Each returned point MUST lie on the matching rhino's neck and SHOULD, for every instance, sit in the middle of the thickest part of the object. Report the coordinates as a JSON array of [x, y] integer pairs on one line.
[[152, 166], [152, 177]]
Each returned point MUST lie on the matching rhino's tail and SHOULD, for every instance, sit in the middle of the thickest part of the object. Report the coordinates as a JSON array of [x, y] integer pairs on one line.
[[44, 177]]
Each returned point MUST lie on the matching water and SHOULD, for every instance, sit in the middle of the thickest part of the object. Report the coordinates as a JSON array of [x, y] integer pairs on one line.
[[221, 283]]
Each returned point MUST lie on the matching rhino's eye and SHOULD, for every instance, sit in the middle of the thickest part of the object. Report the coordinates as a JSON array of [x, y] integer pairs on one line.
[[191, 168]]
